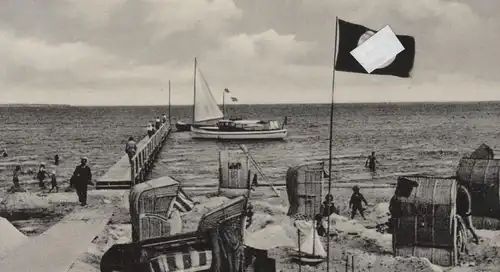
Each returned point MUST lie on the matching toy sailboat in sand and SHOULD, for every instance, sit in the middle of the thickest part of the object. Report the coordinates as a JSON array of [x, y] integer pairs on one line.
[[310, 249], [305, 193]]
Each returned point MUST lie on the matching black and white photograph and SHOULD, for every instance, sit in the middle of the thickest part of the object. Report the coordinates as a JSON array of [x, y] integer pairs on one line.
[[249, 135]]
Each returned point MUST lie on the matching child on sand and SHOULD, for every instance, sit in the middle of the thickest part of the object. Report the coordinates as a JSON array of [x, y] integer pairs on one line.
[[356, 202], [53, 181]]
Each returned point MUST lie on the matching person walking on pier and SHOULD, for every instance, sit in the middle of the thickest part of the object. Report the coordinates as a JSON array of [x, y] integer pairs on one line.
[[157, 123], [164, 118], [81, 178], [131, 148], [150, 130]]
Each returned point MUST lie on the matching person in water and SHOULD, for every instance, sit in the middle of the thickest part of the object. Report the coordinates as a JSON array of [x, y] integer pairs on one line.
[[371, 162], [4, 153], [56, 159], [356, 202], [464, 210]]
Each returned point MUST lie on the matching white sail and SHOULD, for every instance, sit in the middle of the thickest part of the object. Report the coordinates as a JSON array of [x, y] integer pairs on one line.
[[205, 106], [312, 244]]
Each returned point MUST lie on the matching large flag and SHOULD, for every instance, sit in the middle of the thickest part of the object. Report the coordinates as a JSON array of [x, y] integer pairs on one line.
[[351, 36]]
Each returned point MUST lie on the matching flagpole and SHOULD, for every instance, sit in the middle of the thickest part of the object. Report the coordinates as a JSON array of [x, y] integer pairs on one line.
[[330, 147]]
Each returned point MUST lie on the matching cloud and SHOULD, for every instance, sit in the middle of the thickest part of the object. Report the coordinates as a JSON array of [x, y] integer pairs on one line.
[[171, 16], [267, 51]]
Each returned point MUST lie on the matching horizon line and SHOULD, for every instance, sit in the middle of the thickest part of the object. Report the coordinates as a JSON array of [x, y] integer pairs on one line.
[[249, 104]]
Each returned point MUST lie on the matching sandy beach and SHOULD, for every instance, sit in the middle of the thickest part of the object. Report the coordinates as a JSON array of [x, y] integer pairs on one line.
[[371, 250]]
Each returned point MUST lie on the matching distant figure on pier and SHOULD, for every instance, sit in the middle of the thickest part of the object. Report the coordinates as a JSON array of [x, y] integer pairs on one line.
[[254, 181], [356, 202], [164, 118], [56, 159], [150, 130], [157, 123], [41, 175], [53, 181], [371, 162], [82, 176], [15, 177], [131, 148], [4, 153]]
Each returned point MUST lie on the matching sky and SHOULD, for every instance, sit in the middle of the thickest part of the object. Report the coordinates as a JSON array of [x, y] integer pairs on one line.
[[124, 52]]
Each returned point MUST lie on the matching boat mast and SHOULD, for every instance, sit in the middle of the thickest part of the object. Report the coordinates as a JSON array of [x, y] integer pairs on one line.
[[169, 106], [223, 103], [194, 90]]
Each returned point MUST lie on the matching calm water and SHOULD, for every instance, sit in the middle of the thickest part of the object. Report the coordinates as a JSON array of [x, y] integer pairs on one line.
[[408, 138]]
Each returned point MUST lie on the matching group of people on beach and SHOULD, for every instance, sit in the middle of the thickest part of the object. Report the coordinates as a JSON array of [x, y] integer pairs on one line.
[[81, 178]]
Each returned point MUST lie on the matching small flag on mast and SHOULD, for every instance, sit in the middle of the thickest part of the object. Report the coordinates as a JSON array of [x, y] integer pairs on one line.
[[234, 99], [226, 90], [363, 50]]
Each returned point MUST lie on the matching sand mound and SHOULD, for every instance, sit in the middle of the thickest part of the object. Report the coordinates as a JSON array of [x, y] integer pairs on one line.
[[270, 237], [10, 237], [24, 201]]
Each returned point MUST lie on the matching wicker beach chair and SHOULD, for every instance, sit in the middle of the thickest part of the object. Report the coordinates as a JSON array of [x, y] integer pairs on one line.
[[482, 178], [216, 246], [427, 225]]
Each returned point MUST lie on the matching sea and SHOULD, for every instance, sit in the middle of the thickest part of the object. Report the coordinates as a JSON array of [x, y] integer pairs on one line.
[[408, 138]]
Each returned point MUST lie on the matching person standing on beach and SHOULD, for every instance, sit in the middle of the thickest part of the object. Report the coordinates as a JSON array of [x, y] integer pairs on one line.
[[464, 209], [131, 148], [81, 178], [41, 175], [53, 181], [371, 162], [356, 202], [15, 177]]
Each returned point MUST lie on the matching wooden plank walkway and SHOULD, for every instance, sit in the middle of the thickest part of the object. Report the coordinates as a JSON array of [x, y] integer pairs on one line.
[[120, 171], [57, 249], [119, 176]]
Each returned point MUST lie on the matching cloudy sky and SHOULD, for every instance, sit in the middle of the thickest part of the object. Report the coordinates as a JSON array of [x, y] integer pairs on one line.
[[122, 52]]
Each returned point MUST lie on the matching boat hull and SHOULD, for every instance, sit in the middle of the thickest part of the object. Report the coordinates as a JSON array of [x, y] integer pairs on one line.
[[200, 133], [181, 126]]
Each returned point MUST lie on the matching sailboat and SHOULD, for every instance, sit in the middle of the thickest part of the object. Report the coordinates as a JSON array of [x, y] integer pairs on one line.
[[311, 249], [206, 109]]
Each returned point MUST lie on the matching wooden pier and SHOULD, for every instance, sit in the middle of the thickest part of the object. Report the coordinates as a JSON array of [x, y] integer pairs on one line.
[[123, 174]]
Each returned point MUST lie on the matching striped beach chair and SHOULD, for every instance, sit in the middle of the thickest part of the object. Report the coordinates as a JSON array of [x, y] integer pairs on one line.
[[220, 230]]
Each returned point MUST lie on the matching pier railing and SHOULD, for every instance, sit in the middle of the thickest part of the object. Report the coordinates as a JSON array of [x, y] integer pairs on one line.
[[145, 156]]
